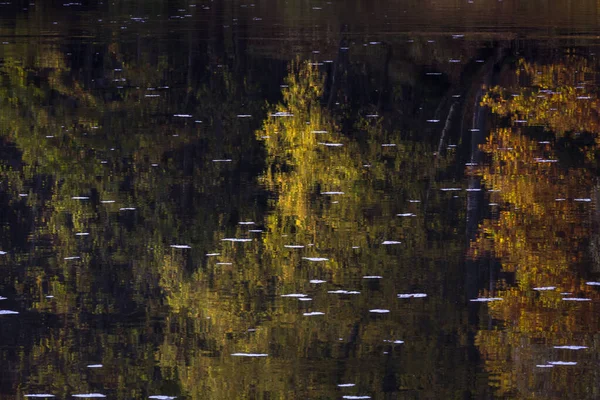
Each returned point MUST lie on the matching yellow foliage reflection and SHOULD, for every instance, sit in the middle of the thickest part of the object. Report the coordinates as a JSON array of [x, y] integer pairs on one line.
[[541, 235]]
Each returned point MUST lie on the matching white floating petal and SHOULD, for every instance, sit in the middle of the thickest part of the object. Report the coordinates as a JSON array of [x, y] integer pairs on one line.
[[315, 258], [317, 281], [576, 299], [544, 288], [562, 362], [181, 246], [346, 385], [293, 295], [411, 295], [311, 314], [162, 397], [379, 311], [372, 277], [332, 193], [387, 242], [89, 395], [236, 240], [571, 347]]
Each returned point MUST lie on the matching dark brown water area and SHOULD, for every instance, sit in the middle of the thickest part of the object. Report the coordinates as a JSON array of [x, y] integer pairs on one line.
[[299, 199]]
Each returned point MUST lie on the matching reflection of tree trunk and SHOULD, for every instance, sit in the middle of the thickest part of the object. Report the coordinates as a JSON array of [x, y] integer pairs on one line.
[[595, 237], [385, 79], [340, 66]]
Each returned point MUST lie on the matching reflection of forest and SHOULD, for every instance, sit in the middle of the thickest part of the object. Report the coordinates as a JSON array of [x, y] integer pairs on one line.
[[99, 121], [544, 171]]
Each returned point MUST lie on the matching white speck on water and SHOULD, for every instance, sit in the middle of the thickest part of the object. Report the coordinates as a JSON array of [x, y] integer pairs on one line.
[[236, 240], [414, 201], [315, 259], [450, 189], [80, 198], [433, 120], [244, 116], [331, 144], [182, 115], [346, 384], [89, 395], [316, 281], [332, 193], [411, 295], [453, 60], [305, 299], [212, 254], [473, 190], [8, 312], [356, 397], [82, 234], [181, 246], [219, 160], [571, 347], [250, 355], [293, 246], [318, 131], [127, 209], [544, 142], [544, 366], [458, 36], [162, 397], [562, 362], [379, 311], [49, 297], [281, 114], [255, 230], [3, 253], [372, 277], [72, 258], [545, 160], [593, 283], [107, 201], [3, 298], [576, 299], [433, 73], [40, 395], [583, 200], [224, 263], [543, 288], [492, 204], [406, 215], [388, 145], [95, 366], [372, 115], [394, 341], [486, 299], [23, 195], [355, 247], [341, 291], [294, 295], [313, 313], [246, 223], [388, 242]]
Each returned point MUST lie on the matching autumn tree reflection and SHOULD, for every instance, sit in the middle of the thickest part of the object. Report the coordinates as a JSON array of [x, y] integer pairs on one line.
[[541, 234]]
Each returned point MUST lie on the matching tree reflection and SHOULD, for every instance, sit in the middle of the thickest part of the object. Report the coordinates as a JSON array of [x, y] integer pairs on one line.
[[541, 235]]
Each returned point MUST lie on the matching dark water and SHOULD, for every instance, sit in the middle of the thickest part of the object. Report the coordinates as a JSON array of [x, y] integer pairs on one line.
[[299, 200]]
